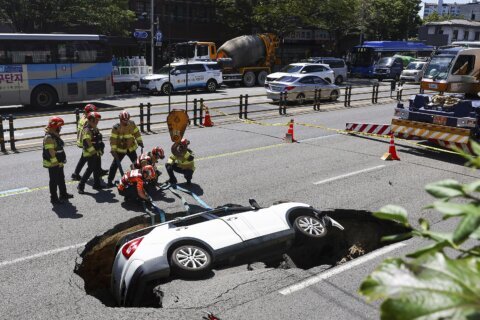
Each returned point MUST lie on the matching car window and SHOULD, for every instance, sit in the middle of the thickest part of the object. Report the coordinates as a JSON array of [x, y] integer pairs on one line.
[[306, 80], [463, 65], [196, 68], [287, 79], [182, 69], [310, 69], [213, 67], [335, 63], [318, 80], [291, 69]]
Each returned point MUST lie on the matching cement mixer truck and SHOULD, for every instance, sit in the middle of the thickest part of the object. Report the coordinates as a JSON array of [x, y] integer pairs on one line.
[[245, 60]]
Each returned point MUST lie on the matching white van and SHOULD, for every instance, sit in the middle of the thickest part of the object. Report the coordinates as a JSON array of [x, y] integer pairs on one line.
[[201, 75], [338, 66]]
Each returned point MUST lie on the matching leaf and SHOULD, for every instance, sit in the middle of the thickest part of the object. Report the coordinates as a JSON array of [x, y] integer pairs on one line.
[[394, 213], [438, 236], [476, 234], [424, 224], [445, 189], [467, 226], [433, 287], [475, 147], [432, 248], [472, 187], [396, 237], [454, 209]]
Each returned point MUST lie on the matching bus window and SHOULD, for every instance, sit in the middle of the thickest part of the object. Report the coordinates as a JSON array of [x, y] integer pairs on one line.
[[3, 54], [64, 53], [463, 65], [29, 52]]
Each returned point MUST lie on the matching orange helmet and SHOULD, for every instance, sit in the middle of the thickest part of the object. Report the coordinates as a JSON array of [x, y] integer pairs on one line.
[[124, 116], [148, 172], [94, 115], [89, 108], [158, 153], [55, 122], [185, 142]]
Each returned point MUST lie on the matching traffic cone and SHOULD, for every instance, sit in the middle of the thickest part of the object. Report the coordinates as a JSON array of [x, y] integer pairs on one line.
[[289, 137], [207, 122], [392, 152]]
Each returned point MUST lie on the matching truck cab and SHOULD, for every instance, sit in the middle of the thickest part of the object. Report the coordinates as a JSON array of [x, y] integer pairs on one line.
[[196, 50]]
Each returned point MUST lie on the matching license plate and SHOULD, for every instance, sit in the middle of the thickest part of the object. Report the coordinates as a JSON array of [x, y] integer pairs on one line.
[[433, 86], [440, 120]]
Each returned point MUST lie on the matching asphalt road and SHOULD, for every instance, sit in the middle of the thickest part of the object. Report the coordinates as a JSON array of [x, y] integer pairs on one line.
[[39, 244]]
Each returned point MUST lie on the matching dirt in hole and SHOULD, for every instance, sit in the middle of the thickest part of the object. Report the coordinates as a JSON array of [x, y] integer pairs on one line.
[[362, 235]]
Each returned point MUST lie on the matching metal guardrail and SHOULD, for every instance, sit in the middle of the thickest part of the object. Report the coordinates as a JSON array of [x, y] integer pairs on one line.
[[147, 118]]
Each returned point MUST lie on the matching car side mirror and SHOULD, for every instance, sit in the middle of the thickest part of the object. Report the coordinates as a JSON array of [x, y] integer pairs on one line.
[[254, 204]]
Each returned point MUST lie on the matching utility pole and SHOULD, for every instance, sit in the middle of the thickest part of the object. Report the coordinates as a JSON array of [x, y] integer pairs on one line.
[[152, 27]]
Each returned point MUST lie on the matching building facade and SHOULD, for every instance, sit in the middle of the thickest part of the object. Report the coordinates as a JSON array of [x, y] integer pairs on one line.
[[445, 32]]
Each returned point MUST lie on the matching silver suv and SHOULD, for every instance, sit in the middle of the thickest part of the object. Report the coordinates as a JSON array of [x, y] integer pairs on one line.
[[338, 66]]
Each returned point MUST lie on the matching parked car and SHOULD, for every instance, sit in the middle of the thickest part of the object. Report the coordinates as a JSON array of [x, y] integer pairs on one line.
[[300, 88], [191, 246], [338, 66], [201, 75], [313, 69], [388, 68], [414, 71]]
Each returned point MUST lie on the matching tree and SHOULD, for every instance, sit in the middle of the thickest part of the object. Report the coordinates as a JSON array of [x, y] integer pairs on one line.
[[110, 17], [237, 15], [442, 280], [435, 17]]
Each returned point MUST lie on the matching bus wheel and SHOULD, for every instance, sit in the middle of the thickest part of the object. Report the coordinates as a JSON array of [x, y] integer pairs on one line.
[[44, 97]]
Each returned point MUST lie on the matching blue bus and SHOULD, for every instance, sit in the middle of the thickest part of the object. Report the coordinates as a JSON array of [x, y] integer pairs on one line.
[[364, 57], [42, 70]]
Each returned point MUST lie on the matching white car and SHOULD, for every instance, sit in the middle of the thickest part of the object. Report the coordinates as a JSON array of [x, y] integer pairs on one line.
[[314, 69], [193, 245], [201, 75], [413, 72]]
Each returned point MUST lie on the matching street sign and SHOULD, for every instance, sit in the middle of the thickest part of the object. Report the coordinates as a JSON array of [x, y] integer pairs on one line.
[[140, 34], [158, 36]]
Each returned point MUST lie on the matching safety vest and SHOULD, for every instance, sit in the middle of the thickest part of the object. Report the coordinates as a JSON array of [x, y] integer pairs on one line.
[[186, 162], [80, 125], [92, 142], [130, 179], [125, 138], [53, 153]]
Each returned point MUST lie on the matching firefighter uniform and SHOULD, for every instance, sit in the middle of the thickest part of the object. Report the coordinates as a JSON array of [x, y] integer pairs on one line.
[[182, 164], [81, 162], [93, 148], [133, 183], [124, 141]]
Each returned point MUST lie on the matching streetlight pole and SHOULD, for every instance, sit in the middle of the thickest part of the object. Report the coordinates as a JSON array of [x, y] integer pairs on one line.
[[152, 26]]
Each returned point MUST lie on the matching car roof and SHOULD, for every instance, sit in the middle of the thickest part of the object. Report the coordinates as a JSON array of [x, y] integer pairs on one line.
[[300, 75], [304, 64], [325, 58]]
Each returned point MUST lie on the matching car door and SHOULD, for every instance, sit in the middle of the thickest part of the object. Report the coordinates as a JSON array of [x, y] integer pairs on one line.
[[179, 77], [196, 76], [308, 87], [324, 87], [264, 221]]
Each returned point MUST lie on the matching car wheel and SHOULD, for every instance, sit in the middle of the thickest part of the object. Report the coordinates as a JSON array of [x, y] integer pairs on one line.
[[134, 87], [44, 97], [211, 86], [334, 95], [166, 89], [339, 80], [190, 261], [262, 75], [300, 99], [249, 79], [310, 227]]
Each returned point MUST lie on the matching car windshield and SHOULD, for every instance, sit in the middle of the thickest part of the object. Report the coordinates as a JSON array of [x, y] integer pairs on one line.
[[384, 62], [438, 67], [291, 69], [415, 66], [287, 79], [164, 70]]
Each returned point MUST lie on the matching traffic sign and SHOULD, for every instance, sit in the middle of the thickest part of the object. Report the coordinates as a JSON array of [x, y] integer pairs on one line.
[[158, 36], [140, 34]]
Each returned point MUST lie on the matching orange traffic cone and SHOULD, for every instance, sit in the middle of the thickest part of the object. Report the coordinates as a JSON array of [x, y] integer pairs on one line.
[[207, 122], [392, 152], [289, 137]]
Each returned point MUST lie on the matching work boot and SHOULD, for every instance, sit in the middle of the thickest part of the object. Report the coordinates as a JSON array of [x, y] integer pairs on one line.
[[76, 177], [81, 190], [110, 184], [55, 200], [173, 181], [189, 181], [66, 196]]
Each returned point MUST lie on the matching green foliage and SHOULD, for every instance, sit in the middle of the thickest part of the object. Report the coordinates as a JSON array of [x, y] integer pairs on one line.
[[110, 17], [434, 17], [428, 284]]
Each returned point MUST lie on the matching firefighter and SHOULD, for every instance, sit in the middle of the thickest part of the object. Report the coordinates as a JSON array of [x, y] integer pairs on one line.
[[132, 184], [81, 123], [54, 159], [184, 163], [93, 148], [149, 158], [124, 141]]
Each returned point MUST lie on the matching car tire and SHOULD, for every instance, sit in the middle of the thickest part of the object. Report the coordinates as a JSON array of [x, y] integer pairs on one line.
[[190, 260], [334, 95], [261, 77], [300, 99], [133, 87], [44, 97], [166, 89], [309, 227], [211, 86], [339, 80], [249, 79]]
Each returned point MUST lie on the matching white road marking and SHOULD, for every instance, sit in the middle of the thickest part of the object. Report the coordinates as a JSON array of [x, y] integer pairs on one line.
[[319, 138], [349, 174], [353, 263], [14, 191], [41, 254]]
